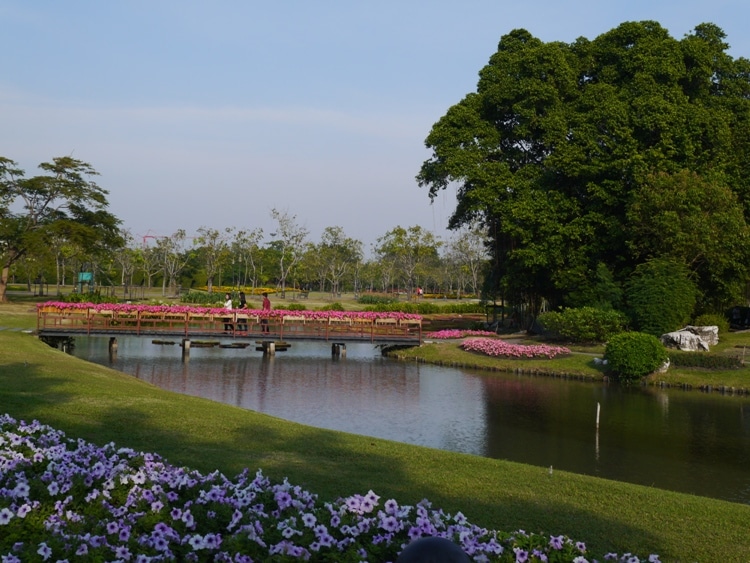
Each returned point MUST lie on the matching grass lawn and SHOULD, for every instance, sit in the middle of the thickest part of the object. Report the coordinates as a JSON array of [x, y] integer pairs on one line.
[[580, 364], [102, 405]]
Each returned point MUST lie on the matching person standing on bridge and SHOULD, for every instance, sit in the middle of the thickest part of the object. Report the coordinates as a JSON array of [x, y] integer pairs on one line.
[[228, 326], [242, 327], [266, 307]]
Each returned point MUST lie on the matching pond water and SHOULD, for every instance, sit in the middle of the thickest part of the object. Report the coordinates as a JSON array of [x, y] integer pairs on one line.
[[679, 440]]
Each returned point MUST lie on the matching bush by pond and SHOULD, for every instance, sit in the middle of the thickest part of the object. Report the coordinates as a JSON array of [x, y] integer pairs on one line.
[[633, 355]]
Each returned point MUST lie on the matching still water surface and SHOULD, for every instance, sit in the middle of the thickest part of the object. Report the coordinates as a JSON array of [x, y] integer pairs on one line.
[[671, 439]]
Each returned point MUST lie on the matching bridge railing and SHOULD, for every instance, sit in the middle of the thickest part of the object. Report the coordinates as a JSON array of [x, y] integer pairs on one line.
[[281, 324]]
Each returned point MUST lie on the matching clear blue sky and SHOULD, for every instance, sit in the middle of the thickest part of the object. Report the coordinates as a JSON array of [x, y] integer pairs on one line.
[[212, 113]]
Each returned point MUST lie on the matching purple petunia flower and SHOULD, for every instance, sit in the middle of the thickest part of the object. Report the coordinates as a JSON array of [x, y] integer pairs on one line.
[[212, 541], [5, 516], [196, 542], [44, 550], [521, 555], [390, 524]]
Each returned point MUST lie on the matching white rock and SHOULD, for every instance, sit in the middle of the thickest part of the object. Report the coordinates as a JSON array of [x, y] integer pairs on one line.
[[684, 340]]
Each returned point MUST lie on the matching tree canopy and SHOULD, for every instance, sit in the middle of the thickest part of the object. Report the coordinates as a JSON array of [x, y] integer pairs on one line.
[[584, 160], [62, 204]]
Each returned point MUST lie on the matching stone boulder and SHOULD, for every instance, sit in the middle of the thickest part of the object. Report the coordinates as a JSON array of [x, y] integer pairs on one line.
[[709, 334], [692, 338]]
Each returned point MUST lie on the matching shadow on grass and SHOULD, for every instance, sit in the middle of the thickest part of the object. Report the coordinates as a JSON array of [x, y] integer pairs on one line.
[[100, 405]]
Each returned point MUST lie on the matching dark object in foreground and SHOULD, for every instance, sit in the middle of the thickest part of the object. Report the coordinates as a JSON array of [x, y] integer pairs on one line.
[[432, 550]]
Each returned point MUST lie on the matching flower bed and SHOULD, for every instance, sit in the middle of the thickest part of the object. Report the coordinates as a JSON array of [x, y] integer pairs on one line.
[[64, 499], [500, 348], [457, 333], [59, 306]]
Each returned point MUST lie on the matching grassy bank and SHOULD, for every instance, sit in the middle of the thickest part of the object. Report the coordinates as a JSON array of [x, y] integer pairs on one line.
[[450, 353], [102, 405], [580, 364]]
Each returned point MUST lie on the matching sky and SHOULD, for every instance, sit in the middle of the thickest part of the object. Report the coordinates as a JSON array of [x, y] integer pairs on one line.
[[211, 114]]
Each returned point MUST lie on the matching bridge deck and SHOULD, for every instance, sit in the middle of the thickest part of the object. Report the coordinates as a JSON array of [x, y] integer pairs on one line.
[[236, 325]]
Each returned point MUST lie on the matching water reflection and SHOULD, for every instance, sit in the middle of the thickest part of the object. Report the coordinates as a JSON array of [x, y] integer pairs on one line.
[[685, 441]]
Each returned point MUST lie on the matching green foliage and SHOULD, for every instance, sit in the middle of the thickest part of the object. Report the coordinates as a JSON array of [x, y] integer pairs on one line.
[[633, 355], [62, 207], [203, 298], [427, 308], [335, 306], [373, 299], [599, 290], [661, 296], [462, 308], [693, 220], [710, 319], [703, 360], [93, 297], [584, 160], [585, 324], [295, 307]]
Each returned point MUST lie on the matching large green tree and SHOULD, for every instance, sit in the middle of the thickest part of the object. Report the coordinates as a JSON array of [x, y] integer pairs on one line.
[[63, 203], [213, 250], [551, 150], [340, 253], [408, 253]]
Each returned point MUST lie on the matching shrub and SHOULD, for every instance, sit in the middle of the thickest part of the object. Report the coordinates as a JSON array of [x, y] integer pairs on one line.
[[633, 355], [94, 297], [462, 308], [712, 320], [586, 324], [661, 296], [703, 360], [370, 299], [335, 306], [425, 308], [203, 298], [295, 307]]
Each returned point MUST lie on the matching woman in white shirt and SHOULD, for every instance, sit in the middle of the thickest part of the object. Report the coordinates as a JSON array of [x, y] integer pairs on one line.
[[228, 326]]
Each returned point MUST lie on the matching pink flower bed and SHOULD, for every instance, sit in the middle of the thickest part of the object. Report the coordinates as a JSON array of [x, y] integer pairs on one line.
[[309, 315], [500, 348], [456, 333]]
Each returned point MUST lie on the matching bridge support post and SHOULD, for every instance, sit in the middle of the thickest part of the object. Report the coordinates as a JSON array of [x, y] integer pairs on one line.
[[185, 350], [338, 349], [112, 348]]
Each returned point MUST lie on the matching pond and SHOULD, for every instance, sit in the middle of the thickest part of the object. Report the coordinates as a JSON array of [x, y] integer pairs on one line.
[[679, 440]]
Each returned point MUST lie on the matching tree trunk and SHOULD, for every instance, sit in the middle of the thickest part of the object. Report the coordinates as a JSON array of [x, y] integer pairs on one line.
[[4, 284]]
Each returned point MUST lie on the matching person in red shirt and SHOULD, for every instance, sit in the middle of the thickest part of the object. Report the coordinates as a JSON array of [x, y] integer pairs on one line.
[[266, 307]]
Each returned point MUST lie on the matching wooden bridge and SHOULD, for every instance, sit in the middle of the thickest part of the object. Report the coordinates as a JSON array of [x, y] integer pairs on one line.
[[55, 321]]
